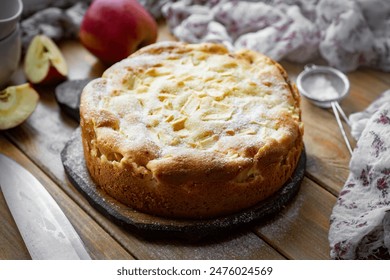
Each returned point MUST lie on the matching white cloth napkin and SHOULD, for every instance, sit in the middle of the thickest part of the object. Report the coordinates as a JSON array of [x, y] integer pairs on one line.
[[347, 34], [360, 221]]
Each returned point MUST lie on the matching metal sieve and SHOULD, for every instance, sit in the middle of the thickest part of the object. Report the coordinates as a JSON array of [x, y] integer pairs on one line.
[[325, 86]]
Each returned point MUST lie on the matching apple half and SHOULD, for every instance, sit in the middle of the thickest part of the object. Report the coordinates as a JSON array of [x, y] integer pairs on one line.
[[16, 104], [44, 62]]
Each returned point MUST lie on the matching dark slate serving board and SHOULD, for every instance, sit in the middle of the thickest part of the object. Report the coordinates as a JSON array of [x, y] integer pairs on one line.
[[68, 96], [158, 227]]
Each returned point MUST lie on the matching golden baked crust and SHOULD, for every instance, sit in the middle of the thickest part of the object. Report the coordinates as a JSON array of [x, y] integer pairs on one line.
[[191, 131]]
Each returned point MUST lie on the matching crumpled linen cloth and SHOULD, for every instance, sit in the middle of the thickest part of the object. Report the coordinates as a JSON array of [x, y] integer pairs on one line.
[[347, 34], [57, 19], [360, 220]]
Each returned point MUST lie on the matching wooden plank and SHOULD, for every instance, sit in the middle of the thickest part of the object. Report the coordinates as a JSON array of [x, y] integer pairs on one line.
[[99, 244], [82, 64], [365, 89], [327, 154], [243, 245], [44, 134], [301, 229], [164, 33], [381, 75], [11, 242]]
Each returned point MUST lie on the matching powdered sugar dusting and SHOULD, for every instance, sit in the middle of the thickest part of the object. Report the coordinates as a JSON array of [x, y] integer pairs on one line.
[[212, 102]]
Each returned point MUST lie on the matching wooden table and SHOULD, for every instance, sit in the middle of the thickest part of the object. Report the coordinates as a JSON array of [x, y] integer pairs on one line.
[[299, 231]]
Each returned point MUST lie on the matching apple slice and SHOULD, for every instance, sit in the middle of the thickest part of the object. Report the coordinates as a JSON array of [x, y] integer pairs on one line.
[[16, 104], [44, 62]]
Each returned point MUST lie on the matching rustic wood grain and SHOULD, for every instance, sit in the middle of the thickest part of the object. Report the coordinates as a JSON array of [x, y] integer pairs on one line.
[[164, 33], [300, 231], [11, 242], [383, 76], [365, 88], [243, 245], [327, 154], [82, 63], [99, 244]]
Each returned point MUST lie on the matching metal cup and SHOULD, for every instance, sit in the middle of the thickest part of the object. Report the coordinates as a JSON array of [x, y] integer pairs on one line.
[[10, 38], [10, 12]]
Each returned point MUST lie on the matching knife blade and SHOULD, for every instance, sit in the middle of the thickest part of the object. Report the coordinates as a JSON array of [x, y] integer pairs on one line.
[[45, 229]]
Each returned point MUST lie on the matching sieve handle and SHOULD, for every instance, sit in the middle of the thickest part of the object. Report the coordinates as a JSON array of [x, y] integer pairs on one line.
[[336, 113], [341, 111]]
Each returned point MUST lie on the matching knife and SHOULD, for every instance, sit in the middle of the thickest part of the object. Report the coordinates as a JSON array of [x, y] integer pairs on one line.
[[46, 231]]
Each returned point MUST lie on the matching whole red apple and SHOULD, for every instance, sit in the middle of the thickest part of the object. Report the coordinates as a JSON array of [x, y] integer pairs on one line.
[[114, 29]]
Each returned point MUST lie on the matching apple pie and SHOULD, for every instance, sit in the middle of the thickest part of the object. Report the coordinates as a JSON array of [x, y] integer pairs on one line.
[[191, 130]]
